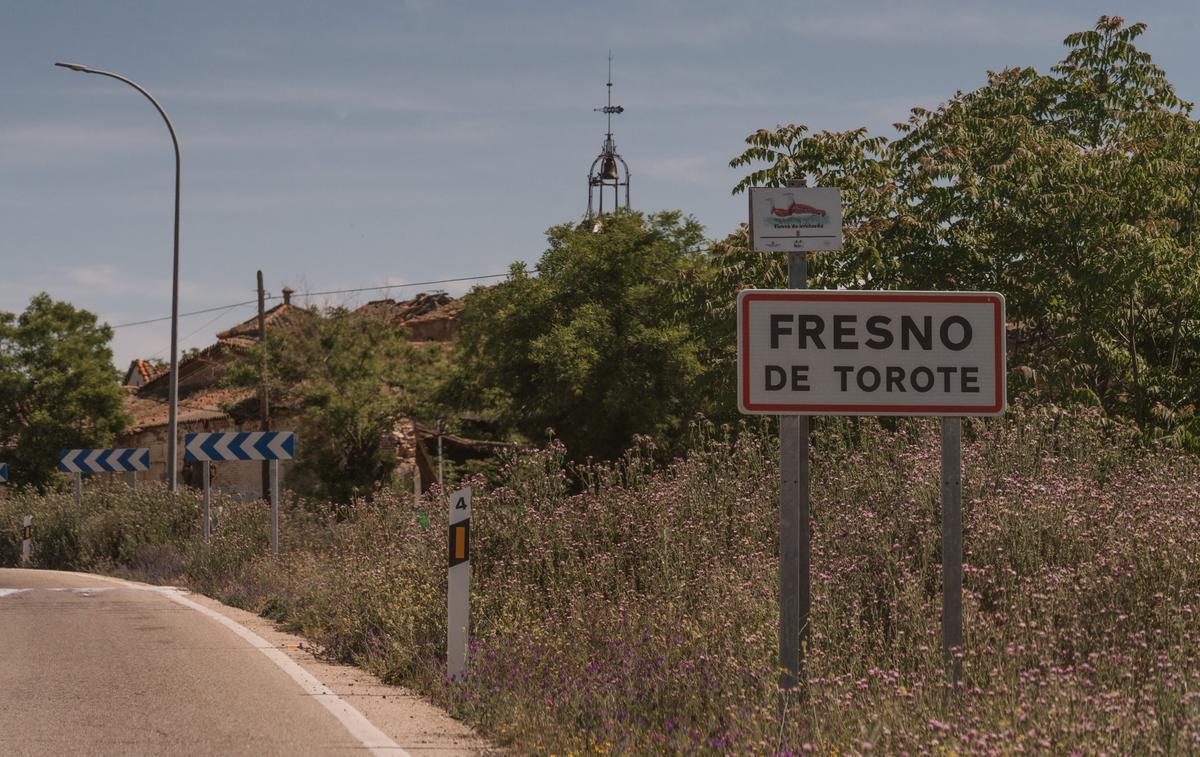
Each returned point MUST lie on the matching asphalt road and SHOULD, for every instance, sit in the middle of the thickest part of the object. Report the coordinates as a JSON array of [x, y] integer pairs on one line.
[[93, 666]]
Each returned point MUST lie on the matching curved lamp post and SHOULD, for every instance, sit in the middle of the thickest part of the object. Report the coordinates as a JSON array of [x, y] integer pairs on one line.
[[173, 423]]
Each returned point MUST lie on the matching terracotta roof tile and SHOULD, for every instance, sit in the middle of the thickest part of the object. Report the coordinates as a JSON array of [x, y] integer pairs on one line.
[[280, 315], [150, 412], [423, 306]]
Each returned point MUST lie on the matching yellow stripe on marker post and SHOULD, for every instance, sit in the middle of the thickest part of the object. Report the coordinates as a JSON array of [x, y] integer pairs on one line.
[[458, 593]]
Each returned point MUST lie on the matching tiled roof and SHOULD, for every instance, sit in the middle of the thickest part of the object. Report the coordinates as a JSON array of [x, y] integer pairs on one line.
[[446, 311], [425, 306], [280, 315], [151, 412], [146, 407], [145, 370], [197, 361]]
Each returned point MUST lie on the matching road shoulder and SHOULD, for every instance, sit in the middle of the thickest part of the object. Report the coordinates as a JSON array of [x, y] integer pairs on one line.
[[414, 723]]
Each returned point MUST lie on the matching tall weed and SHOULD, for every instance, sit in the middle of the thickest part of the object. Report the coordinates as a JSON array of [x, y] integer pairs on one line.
[[623, 608]]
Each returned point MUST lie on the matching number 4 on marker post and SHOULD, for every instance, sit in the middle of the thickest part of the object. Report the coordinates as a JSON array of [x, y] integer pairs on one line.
[[459, 582]]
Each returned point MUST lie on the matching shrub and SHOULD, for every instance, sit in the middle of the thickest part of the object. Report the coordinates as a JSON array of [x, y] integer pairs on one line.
[[631, 609]]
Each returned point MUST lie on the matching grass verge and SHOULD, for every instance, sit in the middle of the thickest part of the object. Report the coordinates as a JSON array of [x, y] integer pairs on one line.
[[637, 613]]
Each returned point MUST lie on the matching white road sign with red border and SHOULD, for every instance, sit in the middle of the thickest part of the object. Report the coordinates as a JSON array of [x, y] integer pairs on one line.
[[822, 352]]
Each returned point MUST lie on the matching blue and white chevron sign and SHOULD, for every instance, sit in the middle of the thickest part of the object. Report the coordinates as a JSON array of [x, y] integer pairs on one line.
[[104, 460], [3, 472], [239, 445]]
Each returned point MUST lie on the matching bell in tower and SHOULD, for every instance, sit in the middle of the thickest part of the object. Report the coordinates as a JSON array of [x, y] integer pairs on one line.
[[609, 173], [608, 169]]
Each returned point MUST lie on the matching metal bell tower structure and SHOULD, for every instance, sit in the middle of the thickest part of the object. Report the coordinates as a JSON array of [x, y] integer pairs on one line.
[[609, 172]]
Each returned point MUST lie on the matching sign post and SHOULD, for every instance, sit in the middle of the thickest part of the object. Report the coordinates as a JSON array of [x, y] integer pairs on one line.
[[458, 585], [877, 353], [242, 445], [952, 625], [26, 539], [794, 542], [795, 219]]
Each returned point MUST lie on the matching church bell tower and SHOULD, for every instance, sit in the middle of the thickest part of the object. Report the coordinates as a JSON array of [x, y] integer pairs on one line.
[[609, 173]]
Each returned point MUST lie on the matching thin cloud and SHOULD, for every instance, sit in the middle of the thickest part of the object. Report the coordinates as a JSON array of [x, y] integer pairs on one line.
[[36, 143], [905, 24], [337, 98], [104, 280]]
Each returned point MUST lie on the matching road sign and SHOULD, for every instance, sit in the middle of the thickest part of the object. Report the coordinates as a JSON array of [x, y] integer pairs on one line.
[[239, 445], [792, 219], [104, 460], [815, 352], [458, 590], [3, 472]]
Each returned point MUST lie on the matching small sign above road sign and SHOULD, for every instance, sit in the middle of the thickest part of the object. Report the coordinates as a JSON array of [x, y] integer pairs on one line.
[[795, 219]]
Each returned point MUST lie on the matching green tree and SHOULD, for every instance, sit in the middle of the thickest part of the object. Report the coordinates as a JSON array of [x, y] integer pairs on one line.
[[350, 377], [1073, 193], [58, 387], [598, 346]]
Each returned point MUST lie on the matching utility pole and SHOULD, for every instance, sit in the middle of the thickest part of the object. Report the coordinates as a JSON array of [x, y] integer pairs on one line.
[[264, 410]]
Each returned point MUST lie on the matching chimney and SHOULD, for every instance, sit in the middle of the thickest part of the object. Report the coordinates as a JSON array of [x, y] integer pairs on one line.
[[287, 295]]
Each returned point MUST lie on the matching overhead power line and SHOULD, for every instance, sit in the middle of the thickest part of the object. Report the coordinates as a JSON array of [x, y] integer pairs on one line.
[[223, 308]]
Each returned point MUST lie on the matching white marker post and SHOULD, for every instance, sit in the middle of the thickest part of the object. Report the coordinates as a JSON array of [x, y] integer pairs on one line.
[[204, 472], [275, 507], [458, 587], [26, 539]]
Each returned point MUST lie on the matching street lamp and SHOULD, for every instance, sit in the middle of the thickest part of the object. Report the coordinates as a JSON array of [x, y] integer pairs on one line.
[[173, 422]]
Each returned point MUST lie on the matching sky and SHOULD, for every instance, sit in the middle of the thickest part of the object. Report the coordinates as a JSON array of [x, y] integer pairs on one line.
[[343, 145]]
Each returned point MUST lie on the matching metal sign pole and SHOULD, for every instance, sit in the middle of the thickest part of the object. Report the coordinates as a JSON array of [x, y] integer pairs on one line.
[[952, 622], [275, 508], [135, 480], [273, 446], [207, 500], [458, 582], [794, 584], [78, 490]]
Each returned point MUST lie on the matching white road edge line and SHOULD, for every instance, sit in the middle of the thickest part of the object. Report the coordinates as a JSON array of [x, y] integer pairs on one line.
[[378, 742], [7, 592]]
